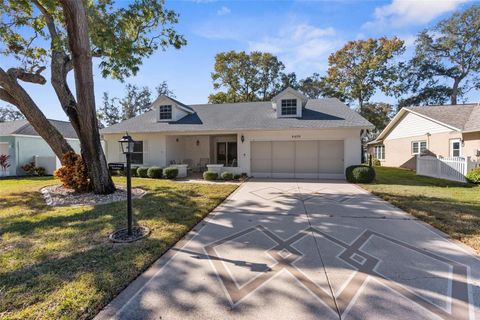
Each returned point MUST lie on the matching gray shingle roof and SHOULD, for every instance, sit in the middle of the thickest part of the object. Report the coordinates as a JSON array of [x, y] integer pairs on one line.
[[318, 114], [23, 127], [463, 117]]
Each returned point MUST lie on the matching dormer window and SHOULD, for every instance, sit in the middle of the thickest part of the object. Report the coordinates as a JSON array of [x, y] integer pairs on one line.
[[289, 107], [165, 112]]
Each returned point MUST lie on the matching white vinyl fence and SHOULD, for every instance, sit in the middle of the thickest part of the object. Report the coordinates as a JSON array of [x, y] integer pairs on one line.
[[453, 168]]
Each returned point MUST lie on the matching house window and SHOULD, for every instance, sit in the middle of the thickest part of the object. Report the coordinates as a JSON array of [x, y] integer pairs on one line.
[[289, 107], [419, 147], [137, 155], [165, 112], [380, 152], [455, 148]]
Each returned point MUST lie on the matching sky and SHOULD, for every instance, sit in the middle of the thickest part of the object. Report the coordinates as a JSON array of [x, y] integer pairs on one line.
[[301, 33]]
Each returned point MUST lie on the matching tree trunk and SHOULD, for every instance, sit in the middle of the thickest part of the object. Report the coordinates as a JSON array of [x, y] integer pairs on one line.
[[79, 43], [12, 92], [453, 96]]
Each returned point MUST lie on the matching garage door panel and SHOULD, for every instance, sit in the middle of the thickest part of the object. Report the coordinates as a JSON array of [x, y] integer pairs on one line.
[[283, 157], [261, 163], [298, 159], [331, 157], [306, 159]]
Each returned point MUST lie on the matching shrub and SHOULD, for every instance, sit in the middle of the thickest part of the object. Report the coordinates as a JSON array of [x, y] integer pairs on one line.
[[210, 175], [31, 170], [142, 172], [376, 163], [170, 173], [227, 175], [154, 172], [73, 173], [4, 162], [474, 175], [237, 177], [133, 171], [360, 174], [40, 171]]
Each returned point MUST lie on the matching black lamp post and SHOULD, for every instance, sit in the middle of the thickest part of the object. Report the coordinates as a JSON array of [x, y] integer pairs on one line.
[[127, 144]]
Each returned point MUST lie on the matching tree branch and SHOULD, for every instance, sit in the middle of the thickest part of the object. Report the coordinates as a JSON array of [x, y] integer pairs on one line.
[[49, 20], [5, 96], [27, 76]]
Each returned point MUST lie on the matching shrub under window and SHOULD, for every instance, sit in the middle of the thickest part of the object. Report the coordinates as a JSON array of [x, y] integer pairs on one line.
[[142, 172], [170, 173], [154, 172]]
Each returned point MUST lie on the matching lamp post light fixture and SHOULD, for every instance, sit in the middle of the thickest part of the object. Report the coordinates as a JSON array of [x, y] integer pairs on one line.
[[130, 233], [127, 144]]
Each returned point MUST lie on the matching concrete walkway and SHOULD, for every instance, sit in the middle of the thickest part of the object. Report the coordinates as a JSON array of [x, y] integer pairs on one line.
[[307, 250]]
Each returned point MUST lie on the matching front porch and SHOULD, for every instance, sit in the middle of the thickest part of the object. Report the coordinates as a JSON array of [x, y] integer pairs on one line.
[[200, 151]]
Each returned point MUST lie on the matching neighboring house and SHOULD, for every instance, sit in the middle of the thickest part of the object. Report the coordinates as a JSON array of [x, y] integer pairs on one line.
[[445, 131], [290, 136], [21, 142]]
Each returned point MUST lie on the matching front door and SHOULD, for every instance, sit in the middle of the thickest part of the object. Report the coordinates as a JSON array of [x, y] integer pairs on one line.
[[232, 154], [227, 153]]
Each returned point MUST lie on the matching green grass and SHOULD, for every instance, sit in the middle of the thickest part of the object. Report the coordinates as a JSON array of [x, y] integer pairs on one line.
[[57, 263], [451, 207]]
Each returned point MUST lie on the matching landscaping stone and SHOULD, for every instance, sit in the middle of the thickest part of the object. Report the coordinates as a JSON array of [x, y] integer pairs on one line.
[[59, 196]]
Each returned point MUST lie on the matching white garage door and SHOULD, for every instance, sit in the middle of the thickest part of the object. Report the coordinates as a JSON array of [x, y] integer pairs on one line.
[[297, 159]]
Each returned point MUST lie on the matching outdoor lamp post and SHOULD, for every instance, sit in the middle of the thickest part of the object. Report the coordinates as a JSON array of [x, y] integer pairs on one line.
[[127, 144]]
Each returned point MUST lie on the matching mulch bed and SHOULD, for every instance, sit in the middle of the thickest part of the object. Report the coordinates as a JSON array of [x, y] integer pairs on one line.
[[59, 196]]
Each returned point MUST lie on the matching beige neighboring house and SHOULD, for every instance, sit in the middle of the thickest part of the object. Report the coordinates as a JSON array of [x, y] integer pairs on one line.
[[288, 137], [444, 131]]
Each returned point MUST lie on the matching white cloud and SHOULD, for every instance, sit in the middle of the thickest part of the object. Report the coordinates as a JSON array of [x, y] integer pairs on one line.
[[402, 13], [223, 11], [302, 47]]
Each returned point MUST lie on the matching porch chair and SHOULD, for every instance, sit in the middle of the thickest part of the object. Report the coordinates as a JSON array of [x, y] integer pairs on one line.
[[189, 163], [202, 164]]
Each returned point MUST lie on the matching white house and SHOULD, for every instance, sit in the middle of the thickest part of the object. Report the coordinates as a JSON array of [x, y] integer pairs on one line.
[[288, 137], [20, 141]]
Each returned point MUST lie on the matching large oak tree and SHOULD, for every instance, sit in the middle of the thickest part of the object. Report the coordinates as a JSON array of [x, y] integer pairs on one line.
[[254, 76], [446, 64], [363, 67], [65, 36]]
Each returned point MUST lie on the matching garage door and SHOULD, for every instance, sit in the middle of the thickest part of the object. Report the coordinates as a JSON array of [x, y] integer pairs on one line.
[[297, 159]]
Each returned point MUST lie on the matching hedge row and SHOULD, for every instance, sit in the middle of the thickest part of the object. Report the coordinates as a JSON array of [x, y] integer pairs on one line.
[[149, 172], [210, 176]]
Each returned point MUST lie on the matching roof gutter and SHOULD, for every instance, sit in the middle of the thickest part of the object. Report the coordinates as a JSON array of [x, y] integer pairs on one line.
[[236, 130]]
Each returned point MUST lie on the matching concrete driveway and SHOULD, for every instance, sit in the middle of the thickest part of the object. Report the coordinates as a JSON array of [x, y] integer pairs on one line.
[[307, 250]]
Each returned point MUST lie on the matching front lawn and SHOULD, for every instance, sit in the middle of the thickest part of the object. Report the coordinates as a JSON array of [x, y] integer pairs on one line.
[[451, 207], [56, 263]]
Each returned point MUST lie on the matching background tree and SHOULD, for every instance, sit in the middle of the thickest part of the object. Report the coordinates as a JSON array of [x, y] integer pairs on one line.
[[362, 67], [163, 90], [247, 77], [135, 102], [36, 34], [378, 113], [10, 113], [446, 64]]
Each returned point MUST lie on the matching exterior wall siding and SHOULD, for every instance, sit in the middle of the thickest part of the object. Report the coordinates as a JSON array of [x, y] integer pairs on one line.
[[412, 125], [471, 145]]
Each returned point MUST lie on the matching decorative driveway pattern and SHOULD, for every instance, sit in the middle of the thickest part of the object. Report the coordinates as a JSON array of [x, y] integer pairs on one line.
[[307, 250]]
